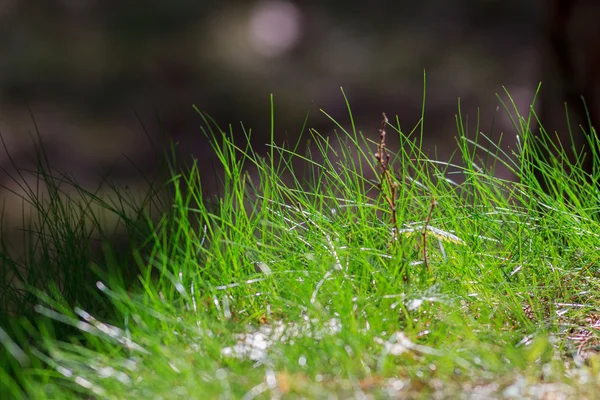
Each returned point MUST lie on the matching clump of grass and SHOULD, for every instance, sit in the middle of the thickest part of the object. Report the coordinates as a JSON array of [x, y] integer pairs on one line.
[[64, 228], [373, 273]]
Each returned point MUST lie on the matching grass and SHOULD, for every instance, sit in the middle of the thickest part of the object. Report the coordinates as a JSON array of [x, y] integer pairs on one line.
[[351, 270]]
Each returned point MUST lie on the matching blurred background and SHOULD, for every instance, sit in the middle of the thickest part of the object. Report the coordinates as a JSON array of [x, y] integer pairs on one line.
[[98, 75]]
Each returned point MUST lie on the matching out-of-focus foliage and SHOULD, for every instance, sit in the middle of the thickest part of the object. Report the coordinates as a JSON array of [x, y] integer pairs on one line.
[[103, 56], [85, 68]]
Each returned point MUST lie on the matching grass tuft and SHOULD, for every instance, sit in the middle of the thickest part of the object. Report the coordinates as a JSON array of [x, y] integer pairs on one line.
[[350, 269]]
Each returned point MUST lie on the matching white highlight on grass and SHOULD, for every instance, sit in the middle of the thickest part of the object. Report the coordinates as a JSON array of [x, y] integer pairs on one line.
[[105, 372], [174, 368], [302, 361], [255, 344], [313, 297], [92, 326], [349, 350], [263, 267], [398, 344], [271, 379], [442, 249], [256, 391], [14, 350], [180, 289], [201, 245], [414, 304], [330, 247], [571, 305], [64, 371], [516, 270], [417, 183], [221, 374], [226, 308], [192, 291], [233, 285], [396, 384], [436, 232], [217, 304]]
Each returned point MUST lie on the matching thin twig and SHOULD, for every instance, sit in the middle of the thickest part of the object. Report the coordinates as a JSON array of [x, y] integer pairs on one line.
[[425, 228], [383, 158]]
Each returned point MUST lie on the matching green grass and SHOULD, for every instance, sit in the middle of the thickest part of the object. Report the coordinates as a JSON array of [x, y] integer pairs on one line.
[[335, 272]]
